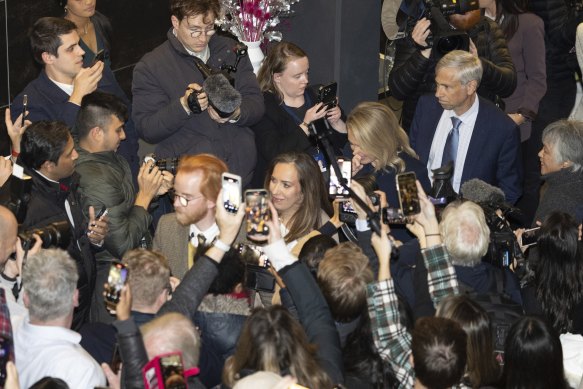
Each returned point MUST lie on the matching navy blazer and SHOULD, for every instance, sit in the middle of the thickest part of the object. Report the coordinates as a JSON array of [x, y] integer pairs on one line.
[[46, 101], [494, 152]]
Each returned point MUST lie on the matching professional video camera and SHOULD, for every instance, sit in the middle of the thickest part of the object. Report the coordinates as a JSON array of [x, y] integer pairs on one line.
[[167, 164], [503, 248], [56, 234], [443, 37], [219, 86]]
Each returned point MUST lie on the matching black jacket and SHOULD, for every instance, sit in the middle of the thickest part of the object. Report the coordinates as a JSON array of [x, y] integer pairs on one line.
[[414, 75], [560, 30], [46, 206]]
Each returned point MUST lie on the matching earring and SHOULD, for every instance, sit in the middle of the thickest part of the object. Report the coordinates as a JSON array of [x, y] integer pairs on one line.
[[66, 9]]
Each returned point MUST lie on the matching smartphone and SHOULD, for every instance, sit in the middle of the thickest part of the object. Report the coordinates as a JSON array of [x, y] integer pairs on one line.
[[530, 237], [165, 371], [335, 188], [118, 276], [327, 96], [408, 196], [102, 213], [393, 216], [257, 212], [24, 107], [231, 184], [100, 56], [347, 213]]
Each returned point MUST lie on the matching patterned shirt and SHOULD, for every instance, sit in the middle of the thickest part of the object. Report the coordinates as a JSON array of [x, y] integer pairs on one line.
[[391, 338]]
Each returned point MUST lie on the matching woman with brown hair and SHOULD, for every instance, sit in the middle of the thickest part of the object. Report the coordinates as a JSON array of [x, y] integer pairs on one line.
[[291, 105], [299, 195], [482, 368], [273, 340]]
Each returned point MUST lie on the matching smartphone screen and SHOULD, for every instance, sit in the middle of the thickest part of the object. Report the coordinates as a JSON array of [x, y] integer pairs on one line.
[[172, 371], [408, 196], [335, 188], [257, 212], [530, 237], [118, 275], [231, 192]]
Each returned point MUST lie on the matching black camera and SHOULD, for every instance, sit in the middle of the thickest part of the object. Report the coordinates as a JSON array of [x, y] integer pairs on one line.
[[56, 234], [443, 37], [167, 164]]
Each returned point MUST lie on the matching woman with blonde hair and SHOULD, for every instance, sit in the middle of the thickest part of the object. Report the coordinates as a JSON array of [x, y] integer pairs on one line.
[[381, 147]]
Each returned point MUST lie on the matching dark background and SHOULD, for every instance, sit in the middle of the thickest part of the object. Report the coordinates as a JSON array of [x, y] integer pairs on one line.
[[341, 38]]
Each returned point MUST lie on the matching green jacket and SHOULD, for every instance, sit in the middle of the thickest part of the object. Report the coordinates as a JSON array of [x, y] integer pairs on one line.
[[106, 181]]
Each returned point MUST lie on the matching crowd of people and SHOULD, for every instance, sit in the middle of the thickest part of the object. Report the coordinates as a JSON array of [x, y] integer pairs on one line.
[[449, 295]]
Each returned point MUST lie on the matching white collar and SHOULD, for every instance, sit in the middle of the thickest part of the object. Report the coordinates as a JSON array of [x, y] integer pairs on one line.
[[203, 55]]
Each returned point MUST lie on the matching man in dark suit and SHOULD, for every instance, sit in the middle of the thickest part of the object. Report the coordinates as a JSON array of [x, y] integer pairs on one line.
[[457, 126], [57, 92]]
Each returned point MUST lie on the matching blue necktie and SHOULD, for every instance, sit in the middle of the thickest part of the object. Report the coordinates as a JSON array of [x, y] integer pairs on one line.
[[451, 144]]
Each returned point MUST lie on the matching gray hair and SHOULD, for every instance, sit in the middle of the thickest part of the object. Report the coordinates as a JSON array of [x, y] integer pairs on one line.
[[50, 279], [566, 139], [172, 332], [469, 66], [465, 233]]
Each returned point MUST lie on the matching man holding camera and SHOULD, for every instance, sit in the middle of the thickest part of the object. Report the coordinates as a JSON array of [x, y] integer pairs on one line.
[[164, 107], [106, 182], [48, 155], [57, 92], [413, 73], [457, 126]]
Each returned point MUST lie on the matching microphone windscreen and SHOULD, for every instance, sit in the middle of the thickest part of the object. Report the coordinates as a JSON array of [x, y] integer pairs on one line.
[[221, 95], [479, 191]]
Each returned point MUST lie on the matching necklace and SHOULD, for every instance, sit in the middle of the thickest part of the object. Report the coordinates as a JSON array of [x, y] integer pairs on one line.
[[85, 28]]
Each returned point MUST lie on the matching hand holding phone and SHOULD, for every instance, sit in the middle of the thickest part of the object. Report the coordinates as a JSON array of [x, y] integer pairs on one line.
[[24, 107], [231, 184], [530, 237]]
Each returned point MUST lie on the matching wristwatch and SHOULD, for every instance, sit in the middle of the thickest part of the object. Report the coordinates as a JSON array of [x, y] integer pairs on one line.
[[236, 118]]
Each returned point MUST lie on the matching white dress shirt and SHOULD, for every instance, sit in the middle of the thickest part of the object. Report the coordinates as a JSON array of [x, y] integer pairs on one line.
[[466, 130], [50, 351]]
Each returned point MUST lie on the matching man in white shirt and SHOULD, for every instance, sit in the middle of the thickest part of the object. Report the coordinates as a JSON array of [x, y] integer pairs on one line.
[[45, 346], [456, 125]]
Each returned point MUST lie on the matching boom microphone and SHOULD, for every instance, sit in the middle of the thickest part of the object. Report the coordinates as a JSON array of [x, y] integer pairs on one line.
[[481, 192], [221, 95]]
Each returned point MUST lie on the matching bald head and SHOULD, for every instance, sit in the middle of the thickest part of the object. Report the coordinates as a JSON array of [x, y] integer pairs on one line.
[[8, 234]]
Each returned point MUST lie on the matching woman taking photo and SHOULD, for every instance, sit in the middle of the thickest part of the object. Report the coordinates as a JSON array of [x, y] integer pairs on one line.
[[381, 147], [290, 107], [299, 195], [93, 27]]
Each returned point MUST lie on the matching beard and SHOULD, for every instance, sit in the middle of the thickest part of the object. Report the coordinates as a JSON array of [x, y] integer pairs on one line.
[[187, 218]]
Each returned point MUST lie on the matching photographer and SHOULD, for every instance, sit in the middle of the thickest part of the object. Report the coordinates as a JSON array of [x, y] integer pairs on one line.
[[165, 78], [106, 182], [413, 73], [48, 154]]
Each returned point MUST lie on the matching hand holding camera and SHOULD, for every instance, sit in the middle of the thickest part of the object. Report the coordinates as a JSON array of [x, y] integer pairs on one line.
[[149, 182], [196, 103], [420, 34]]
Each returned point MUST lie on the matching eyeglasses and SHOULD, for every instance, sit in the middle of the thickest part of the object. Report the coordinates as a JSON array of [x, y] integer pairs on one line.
[[181, 199], [198, 33]]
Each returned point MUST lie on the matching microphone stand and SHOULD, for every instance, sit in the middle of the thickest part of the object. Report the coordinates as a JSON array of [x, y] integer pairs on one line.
[[320, 129]]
